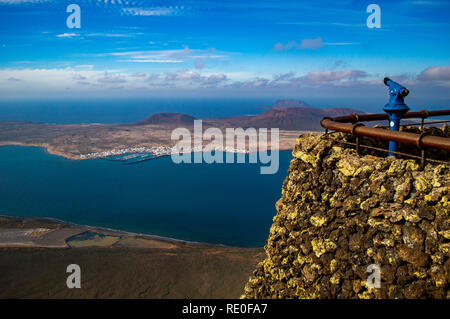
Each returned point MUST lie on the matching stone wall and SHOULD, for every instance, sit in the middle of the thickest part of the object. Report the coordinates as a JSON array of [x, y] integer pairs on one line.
[[341, 212]]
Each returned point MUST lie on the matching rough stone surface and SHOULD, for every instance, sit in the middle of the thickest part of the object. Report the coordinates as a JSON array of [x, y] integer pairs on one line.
[[341, 212]]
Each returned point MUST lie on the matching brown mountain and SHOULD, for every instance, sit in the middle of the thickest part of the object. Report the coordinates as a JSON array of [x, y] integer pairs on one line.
[[286, 103], [168, 118], [284, 118], [286, 115], [296, 118], [291, 103]]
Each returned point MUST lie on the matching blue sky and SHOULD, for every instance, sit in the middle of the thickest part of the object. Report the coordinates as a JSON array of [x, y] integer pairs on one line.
[[224, 48]]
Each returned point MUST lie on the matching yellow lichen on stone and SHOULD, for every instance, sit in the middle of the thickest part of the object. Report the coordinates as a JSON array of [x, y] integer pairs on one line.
[[422, 184], [333, 265], [412, 166], [445, 233], [366, 170], [321, 246], [365, 295], [300, 259], [411, 215], [395, 167], [318, 247], [379, 224], [311, 195], [347, 167], [388, 242], [420, 274], [317, 221], [305, 157], [335, 279], [445, 249]]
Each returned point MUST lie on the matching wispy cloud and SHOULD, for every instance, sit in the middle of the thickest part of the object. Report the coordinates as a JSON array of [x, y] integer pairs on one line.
[[156, 11], [167, 56], [67, 35], [314, 79], [311, 44], [111, 79], [21, 1], [430, 3], [151, 61], [111, 35], [341, 43]]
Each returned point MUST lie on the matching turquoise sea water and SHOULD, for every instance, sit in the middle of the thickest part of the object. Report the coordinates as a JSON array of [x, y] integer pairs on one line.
[[230, 204]]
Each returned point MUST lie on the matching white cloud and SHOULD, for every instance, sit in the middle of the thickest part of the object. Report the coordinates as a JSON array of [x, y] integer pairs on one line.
[[67, 35], [435, 73], [430, 3], [111, 35], [84, 66], [111, 79], [151, 61], [21, 1], [139, 75], [312, 44], [312, 79], [192, 78], [156, 11], [167, 56], [309, 44], [42, 79], [332, 76], [340, 43], [23, 82]]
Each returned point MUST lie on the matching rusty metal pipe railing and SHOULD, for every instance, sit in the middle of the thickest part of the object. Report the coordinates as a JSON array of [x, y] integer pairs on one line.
[[353, 118], [419, 140]]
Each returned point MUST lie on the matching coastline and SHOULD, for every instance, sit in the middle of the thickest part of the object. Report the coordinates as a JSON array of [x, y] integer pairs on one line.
[[121, 232], [113, 152], [115, 264], [46, 147]]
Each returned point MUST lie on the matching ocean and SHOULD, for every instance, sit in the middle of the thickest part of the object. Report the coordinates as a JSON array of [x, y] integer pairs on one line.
[[229, 204], [121, 110]]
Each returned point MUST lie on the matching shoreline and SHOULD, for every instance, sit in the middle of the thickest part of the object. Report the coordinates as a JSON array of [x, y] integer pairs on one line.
[[46, 147], [81, 157], [119, 231]]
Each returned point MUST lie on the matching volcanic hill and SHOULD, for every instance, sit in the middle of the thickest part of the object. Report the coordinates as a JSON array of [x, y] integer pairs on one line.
[[168, 118]]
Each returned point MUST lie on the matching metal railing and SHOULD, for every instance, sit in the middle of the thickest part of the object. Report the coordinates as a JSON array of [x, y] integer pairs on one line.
[[352, 124]]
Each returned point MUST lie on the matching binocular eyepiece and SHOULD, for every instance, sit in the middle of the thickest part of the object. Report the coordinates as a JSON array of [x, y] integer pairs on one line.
[[395, 87]]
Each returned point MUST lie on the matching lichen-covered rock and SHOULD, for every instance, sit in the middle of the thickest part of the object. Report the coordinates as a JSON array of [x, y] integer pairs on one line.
[[341, 212]]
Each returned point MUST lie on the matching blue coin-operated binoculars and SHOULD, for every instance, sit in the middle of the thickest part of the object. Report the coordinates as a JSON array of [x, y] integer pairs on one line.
[[395, 108]]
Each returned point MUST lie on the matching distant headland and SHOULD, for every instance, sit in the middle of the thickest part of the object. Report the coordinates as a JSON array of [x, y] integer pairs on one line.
[[76, 141]]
